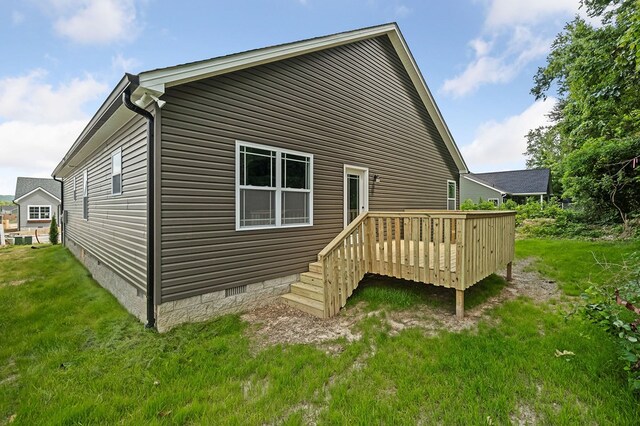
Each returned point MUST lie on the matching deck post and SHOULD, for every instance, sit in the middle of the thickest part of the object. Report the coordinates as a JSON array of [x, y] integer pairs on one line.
[[459, 304], [509, 274]]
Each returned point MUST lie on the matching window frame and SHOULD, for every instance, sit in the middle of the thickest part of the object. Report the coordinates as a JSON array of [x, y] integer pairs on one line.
[[495, 200], [279, 189], [455, 191], [85, 194], [113, 154], [39, 218]]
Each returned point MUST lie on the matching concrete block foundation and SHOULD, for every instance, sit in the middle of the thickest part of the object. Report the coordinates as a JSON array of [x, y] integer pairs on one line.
[[192, 309]]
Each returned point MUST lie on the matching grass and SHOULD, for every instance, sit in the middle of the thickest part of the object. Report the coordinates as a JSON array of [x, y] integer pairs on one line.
[[70, 354], [574, 263], [399, 294]]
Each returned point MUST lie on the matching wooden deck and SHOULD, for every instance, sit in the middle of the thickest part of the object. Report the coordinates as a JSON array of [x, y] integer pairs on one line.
[[463, 248]]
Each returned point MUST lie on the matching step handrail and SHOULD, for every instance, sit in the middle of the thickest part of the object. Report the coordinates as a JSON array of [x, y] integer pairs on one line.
[[342, 235]]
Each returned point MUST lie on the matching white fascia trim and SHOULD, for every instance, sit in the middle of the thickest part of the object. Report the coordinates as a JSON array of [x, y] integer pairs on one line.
[[500, 191], [37, 189], [159, 79], [529, 193]]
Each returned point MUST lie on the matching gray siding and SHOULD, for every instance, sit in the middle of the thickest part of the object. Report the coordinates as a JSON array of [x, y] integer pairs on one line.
[[474, 192], [115, 232], [354, 105], [38, 198]]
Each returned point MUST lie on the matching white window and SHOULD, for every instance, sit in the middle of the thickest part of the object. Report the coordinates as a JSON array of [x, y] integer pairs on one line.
[[495, 201], [85, 195], [75, 186], [274, 187], [116, 172], [39, 212], [451, 195]]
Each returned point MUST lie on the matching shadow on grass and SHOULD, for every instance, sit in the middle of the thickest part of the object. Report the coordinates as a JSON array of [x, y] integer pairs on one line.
[[378, 291]]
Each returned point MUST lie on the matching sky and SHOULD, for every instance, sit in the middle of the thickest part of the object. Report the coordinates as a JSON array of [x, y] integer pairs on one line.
[[61, 58]]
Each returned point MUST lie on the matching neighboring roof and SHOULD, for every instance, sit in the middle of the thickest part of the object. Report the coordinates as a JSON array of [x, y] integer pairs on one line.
[[479, 181], [28, 185], [155, 82], [516, 182]]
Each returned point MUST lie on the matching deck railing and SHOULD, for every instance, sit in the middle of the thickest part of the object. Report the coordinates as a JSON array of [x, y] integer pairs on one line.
[[453, 249]]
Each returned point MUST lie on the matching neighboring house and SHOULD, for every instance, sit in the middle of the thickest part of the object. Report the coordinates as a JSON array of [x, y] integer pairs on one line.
[[258, 160], [499, 186], [9, 209], [38, 200]]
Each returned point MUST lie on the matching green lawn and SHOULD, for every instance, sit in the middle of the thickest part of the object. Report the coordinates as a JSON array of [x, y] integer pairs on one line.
[[70, 354]]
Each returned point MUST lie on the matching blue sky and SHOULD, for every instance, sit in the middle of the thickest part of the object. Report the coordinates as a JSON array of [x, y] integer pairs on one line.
[[62, 57]]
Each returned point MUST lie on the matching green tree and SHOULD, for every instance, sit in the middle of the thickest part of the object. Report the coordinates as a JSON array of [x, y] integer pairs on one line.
[[595, 74], [53, 231], [544, 151]]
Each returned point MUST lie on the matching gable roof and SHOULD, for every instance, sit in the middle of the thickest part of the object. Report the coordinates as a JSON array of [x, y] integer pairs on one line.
[[517, 182], [155, 82], [28, 185]]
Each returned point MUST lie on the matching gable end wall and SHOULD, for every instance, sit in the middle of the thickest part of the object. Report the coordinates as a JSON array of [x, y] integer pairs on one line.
[[353, 104]]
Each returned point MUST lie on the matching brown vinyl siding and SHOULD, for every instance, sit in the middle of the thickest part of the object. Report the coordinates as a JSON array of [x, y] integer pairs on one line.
[[353, 104], [115, 231]]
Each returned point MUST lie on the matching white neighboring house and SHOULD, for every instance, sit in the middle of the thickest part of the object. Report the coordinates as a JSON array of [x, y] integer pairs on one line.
[[38, 199]]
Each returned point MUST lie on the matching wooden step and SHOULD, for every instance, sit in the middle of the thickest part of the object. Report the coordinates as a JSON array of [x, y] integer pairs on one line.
[[312, 278], [315, 267], [307, 290], [304, 304]]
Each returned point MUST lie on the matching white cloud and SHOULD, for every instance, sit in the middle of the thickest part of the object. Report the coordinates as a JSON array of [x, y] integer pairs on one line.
[[402, 11], [39, 122], [507, 13], [95, 21], [17, 18], [489, 67], [500, 145], [516, 32], [32, 149], [122, 64], [30, 98]]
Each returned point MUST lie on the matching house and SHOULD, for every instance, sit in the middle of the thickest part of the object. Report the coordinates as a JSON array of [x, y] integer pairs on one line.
[[499, 186], [204, 188], [37, 199]]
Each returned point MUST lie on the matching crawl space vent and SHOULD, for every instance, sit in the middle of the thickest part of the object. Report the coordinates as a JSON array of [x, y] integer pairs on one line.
[[235, 290]]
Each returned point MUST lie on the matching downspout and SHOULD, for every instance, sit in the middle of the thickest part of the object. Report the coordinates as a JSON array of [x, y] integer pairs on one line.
[[126, 100], [61, 212]]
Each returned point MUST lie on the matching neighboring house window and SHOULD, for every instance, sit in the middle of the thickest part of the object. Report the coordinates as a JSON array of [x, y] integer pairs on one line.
[[85, 195], [116, 172], [274, 187], [495, 201], [451, 195], [75, 188], [39, 212]]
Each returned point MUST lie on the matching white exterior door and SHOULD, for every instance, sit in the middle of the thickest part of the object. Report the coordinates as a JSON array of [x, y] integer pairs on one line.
[[356, 192]]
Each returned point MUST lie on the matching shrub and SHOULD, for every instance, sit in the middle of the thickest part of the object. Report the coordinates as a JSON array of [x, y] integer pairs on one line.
[[53, 231], [481, 205], [617, 310]]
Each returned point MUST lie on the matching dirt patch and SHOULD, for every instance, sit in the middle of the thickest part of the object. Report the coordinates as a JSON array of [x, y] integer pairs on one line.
[[14, 283], [280, 324]]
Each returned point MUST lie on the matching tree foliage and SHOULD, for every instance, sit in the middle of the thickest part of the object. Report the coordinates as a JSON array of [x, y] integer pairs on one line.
[[594, 70], [53, 231]]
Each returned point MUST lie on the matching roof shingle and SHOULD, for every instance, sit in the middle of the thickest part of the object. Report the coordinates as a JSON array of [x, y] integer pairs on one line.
[[530, 181], [24, 185]]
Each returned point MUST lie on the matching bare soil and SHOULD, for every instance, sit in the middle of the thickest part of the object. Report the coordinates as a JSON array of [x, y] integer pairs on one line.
[[278, 323]]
